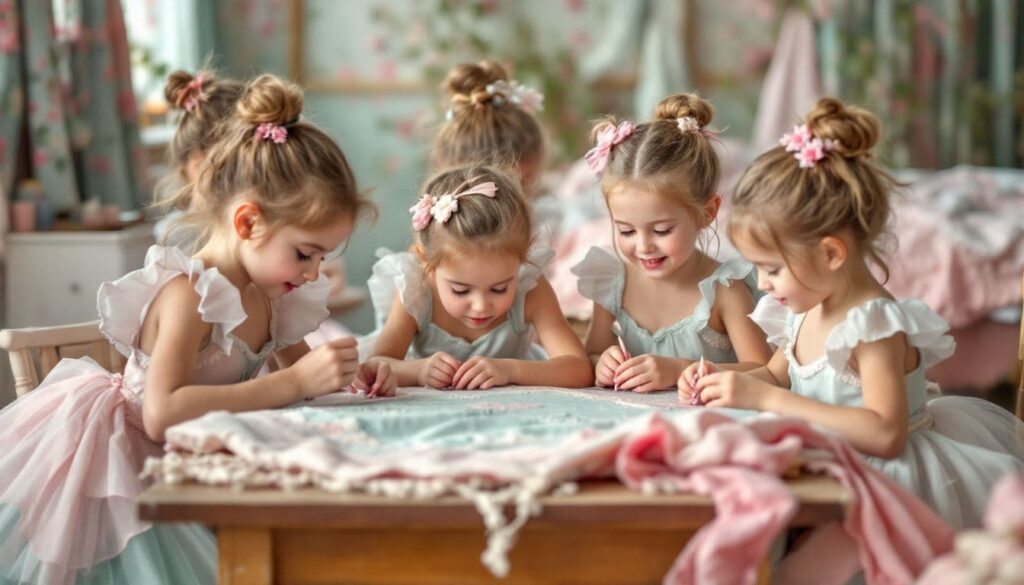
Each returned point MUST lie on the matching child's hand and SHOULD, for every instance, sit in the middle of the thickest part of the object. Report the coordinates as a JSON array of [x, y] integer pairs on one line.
[[438, 371], [604, 371], [733, 390], [376, 378], [686, 385], [326, 369], [480, 373], [646, 373]]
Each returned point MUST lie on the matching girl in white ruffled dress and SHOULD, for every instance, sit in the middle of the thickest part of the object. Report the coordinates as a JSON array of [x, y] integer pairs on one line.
[[278, 196], [808, 214], [673, 303]]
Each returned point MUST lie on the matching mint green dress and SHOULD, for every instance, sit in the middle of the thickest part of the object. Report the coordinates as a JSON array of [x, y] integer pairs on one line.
[[602, 279], [402, 273]]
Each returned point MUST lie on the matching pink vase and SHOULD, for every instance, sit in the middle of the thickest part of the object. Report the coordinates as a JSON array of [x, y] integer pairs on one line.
[[23, 216]]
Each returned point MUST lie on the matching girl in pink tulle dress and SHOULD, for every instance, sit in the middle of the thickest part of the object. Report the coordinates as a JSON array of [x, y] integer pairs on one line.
[[278, 197]]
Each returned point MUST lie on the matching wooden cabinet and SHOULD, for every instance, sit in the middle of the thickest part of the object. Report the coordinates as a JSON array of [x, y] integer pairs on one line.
[[52, 277]]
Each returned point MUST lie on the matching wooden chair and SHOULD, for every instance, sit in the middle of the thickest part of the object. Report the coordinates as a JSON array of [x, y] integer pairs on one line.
[[34, 351]]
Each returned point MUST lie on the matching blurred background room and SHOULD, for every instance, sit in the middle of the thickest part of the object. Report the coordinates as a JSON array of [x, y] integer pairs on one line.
[[84, 125]]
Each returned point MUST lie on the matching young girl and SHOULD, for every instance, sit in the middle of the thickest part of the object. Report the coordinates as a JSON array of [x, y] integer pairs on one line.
[[463, 307], [809, 214], [672, 302], [204, 101], [491, 120], [278, 197]]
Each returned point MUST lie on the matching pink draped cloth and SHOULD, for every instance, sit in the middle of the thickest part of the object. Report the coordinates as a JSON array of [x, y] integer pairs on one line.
[[890, 532], [791, 85], [80, 476]]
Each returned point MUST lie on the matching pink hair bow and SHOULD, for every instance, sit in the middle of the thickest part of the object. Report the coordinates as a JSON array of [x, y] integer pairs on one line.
[[268, 131], [441, 208], [597, 157], [194, 92], [807, 149]]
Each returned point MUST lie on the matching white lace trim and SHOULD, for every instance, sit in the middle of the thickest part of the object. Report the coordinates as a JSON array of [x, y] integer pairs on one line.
[[806, 371], [490, 498], [715, 339]]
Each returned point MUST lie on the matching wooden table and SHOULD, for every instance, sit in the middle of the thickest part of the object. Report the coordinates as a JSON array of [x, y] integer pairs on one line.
[[603, 534]]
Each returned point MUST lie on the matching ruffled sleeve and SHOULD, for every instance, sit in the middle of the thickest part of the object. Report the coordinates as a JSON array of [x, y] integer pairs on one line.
[[773, 318], [600, 278], [123, 303], [882, 318], [301, 311], [726, 274], [537, 261], [399, 273]]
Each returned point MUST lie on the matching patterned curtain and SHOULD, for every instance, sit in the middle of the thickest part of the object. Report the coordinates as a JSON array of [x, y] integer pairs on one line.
[[940, 73], [67, 108]]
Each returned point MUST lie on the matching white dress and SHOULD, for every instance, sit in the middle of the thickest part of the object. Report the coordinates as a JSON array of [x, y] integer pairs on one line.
[[602, 279], [402, 273], [958, 447]]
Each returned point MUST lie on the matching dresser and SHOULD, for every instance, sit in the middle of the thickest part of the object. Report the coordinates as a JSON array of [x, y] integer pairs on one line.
[[52, 277]]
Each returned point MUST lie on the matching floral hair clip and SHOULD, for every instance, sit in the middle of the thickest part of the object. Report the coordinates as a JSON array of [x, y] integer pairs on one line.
[[268, 131], [597, 157], [524, 96], [688, 124], [806, 148], [441, 208], [193, 92]]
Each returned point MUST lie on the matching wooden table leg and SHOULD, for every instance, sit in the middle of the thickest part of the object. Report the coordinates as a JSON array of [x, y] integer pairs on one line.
[[244, 556], [764, 571]]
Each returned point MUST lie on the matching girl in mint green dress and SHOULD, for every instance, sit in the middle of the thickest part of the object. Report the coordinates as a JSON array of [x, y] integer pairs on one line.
[[852, 359]]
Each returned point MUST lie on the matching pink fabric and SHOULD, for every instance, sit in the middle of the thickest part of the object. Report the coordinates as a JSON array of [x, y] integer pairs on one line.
[[741, 474], [984, 354], [791, 85], [71, 457], [896, 534], [994, 556], [961, 243]]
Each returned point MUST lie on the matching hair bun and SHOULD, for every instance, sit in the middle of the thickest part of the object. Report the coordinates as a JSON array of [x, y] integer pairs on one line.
[[682, 105], [177, 88], [269, 99], [467, 83], [856, 129]]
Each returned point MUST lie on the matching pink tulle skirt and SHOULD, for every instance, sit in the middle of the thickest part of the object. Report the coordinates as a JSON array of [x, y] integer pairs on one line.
[[72, 451]]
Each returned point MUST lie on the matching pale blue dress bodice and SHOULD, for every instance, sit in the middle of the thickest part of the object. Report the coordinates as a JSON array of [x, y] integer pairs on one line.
[[602, 278], [402, 273], [957, 448]]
